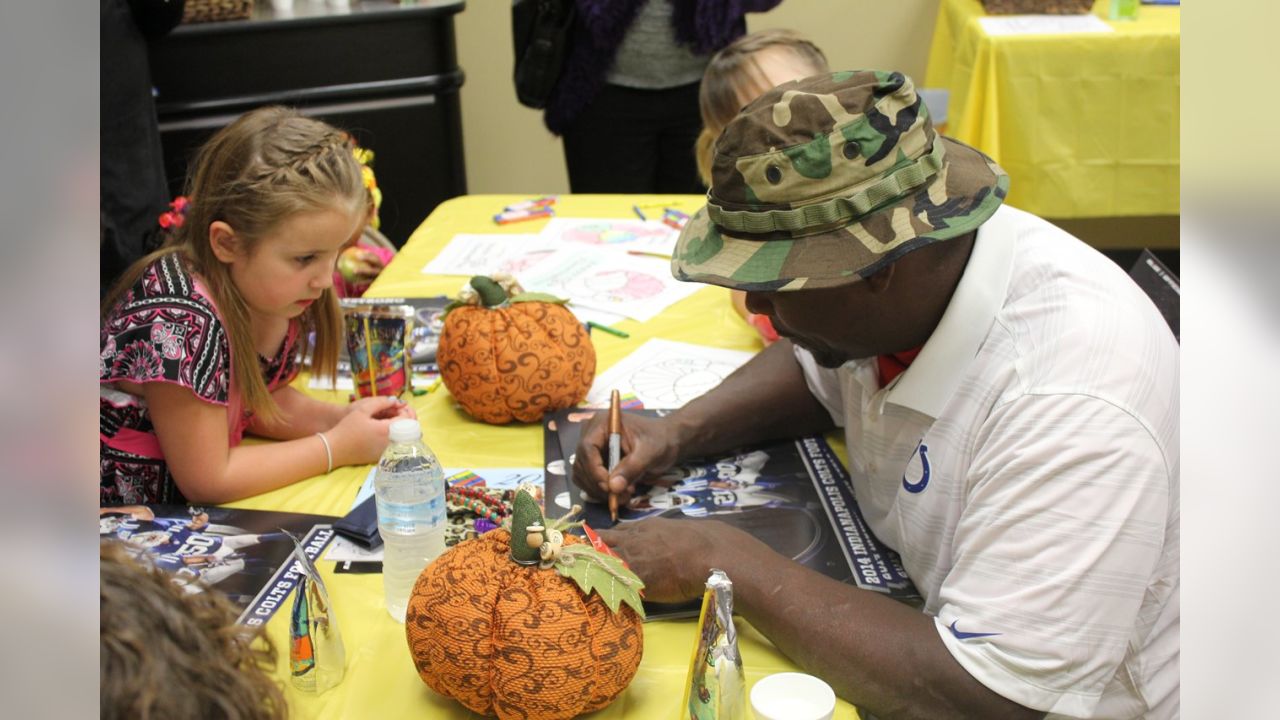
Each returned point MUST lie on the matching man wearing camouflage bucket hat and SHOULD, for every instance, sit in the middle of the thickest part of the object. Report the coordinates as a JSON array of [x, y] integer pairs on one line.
[[1009, 400], [807, 194]]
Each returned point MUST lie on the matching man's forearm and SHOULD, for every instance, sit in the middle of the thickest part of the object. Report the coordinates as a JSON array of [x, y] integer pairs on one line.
[[765, 399], [877, 653]]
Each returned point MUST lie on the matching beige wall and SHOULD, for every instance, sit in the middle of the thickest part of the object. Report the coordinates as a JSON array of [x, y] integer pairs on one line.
[[509, 151]]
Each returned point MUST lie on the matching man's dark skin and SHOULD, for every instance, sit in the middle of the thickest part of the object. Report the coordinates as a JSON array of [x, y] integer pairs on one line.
[[880, 655]]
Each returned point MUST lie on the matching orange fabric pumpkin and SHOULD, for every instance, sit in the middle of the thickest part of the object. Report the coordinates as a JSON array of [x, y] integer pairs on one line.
[[515, 360], [514, 640]]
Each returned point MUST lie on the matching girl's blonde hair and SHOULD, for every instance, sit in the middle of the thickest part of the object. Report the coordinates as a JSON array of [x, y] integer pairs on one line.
[[734, 72], [268, 165]]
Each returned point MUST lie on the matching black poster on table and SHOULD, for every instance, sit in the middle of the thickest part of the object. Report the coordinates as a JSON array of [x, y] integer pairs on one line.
[[795, 496], [245, 554]]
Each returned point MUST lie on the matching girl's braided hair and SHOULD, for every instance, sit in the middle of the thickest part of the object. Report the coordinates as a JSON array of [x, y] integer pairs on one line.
[[268, 165]]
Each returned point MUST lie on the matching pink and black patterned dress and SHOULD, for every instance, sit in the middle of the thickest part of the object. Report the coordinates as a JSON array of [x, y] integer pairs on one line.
[[166, 329]]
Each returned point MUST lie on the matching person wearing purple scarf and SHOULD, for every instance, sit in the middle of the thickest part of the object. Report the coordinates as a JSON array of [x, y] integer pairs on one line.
[[627, 101]]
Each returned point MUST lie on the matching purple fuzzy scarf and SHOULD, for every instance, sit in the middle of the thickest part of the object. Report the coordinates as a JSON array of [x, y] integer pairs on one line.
[[703, 25]]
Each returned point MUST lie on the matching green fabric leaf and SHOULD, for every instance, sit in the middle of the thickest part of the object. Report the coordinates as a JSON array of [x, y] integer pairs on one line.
[[605, 574], [538, 297]]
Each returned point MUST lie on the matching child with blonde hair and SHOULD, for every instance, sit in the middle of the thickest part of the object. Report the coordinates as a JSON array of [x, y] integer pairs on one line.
[[736, 75], [200, 339]]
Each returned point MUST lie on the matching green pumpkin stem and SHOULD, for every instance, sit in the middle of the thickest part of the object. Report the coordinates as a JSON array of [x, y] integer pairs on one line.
[[524, 512], [491, 293]]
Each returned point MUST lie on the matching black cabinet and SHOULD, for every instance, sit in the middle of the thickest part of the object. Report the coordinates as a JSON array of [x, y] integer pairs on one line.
[[385, 71]]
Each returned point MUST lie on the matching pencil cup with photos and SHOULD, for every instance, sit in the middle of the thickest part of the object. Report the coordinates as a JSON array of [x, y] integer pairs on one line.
[[377, 338]]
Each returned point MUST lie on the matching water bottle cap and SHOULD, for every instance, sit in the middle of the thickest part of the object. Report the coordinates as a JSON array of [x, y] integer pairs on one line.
[[405, 430]]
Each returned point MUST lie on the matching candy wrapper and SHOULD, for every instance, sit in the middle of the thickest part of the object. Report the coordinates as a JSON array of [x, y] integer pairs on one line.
[[317, 660], [376, 340], [716, 689]]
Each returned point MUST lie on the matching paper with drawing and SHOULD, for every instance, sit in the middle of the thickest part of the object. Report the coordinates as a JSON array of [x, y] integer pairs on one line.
[[650, 236], [666, 374], [638, 287], [468, 254], [482, 254]]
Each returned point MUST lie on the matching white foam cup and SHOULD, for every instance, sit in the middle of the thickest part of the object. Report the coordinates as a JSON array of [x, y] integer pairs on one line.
[[792, 696]]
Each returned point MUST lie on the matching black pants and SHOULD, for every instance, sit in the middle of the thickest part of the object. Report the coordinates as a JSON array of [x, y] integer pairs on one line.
[[635, 141]]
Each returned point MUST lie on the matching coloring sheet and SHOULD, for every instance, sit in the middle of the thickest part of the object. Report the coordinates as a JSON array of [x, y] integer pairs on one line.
[[648, 236], [666, 374], [585, 314], [471, 254], [635, 286]]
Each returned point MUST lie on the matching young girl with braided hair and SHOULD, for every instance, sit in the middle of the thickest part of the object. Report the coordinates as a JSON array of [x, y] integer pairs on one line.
[[200, 339], [741, 72]]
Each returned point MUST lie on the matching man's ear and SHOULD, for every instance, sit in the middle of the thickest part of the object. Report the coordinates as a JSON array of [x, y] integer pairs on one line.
[[880, 280], [223, 240]]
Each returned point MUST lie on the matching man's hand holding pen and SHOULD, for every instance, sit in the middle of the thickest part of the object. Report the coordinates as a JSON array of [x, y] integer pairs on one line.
[[647, 446]]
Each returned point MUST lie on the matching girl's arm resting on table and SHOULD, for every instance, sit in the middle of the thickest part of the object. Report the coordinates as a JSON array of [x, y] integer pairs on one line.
[[304, 416], [300, 416], [193, 436]]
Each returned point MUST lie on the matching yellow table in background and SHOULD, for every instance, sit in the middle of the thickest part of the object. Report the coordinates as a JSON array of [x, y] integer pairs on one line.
[[381, 681], [1086, 124]]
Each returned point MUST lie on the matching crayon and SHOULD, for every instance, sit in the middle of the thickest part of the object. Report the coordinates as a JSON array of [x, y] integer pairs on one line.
[[639, 213], [674, 218], [612, 331], [521, 215], [531, 204]]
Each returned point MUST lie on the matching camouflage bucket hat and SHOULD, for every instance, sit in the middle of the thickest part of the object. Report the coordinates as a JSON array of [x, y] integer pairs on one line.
[[823, 181]]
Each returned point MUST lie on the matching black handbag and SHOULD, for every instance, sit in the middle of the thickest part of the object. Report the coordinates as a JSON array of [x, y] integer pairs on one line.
[[540, 30]]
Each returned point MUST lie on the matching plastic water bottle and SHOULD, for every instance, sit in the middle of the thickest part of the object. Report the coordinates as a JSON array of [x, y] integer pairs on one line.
[[409, 487]]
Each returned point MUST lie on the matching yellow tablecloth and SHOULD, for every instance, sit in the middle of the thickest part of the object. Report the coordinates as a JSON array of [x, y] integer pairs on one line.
[[380, 677], [1086, 124]]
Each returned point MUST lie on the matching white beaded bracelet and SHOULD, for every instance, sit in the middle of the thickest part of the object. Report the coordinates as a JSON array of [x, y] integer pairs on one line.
[[328, 451]]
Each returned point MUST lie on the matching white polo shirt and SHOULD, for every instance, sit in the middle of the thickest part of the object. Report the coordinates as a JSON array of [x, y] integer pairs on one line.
[[1026, 468]]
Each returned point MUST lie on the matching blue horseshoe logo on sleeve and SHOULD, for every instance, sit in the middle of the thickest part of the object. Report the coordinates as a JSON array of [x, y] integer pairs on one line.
[[924, 475]]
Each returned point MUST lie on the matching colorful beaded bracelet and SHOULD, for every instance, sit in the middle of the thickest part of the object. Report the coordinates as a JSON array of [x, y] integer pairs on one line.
[[480, 503]]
